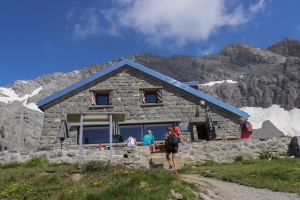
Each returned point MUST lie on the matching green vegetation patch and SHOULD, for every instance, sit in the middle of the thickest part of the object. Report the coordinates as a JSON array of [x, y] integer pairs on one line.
[[39, 179], [278, 174]]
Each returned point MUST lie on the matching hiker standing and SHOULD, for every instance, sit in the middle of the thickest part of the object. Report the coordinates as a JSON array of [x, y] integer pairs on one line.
[[171, 147], [243, 128], [169, 131]]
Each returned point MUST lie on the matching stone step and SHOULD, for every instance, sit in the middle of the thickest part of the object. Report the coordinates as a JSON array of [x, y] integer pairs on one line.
[[160, 159]]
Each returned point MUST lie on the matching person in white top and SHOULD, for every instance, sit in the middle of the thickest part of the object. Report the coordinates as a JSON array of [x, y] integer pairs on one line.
[[131, 142]]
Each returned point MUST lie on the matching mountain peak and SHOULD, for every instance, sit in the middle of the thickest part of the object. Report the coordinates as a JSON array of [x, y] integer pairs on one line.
[[243, 54], [287, 47]]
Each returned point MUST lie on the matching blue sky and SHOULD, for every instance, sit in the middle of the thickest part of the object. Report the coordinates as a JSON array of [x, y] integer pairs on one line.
[[43, 37]]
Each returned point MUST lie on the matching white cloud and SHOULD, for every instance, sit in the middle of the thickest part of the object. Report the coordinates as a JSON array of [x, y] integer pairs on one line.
[[178, 21], [172, 22]]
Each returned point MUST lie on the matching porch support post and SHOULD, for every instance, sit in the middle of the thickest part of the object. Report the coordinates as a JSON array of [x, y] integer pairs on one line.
[[194, 133], [110, 139], [80, 140]]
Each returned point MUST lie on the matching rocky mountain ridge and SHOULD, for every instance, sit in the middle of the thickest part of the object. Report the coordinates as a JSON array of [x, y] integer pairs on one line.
[[261, 78]]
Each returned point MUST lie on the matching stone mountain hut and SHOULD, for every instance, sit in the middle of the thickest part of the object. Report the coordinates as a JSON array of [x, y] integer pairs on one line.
[[149, 100]]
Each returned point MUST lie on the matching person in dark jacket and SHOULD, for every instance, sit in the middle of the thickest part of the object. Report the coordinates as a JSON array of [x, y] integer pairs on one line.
[[171, 149]]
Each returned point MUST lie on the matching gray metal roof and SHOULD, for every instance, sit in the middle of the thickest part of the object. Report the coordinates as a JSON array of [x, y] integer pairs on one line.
[[150, 72]]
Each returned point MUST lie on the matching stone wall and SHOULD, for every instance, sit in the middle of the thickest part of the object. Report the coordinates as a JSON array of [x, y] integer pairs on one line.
[[190, 153], [126, 83]]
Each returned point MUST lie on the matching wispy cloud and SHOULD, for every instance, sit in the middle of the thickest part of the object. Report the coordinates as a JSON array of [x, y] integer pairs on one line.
[[257, 7], [87, 24], [209, 50]]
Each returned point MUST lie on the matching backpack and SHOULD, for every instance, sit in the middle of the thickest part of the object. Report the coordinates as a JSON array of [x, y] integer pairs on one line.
[[248, 126], [172, 141]]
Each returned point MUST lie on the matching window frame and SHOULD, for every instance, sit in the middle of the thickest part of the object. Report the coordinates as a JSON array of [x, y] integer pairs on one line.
[[143, 126], [149, 91], [101, 92], [102, 95]]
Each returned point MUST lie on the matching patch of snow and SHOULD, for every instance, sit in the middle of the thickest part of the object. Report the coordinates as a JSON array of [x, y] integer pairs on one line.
[[23, 81], [231, 81], [12, 96], [76, 72], [283, 120], [218, 82], [33, 106]]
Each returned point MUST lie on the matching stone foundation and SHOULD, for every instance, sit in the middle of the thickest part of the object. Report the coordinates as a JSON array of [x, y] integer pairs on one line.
[[190, 153]]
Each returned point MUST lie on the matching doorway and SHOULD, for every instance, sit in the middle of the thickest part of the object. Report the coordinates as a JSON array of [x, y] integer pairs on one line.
[[202, 132]]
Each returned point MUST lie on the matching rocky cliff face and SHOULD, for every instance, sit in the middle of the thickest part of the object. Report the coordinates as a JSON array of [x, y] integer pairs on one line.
[[258, 77], [264, 77]]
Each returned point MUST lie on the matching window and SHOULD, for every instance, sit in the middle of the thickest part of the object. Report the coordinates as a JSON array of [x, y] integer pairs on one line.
[[100, 134], [135, 131], [152, 95], [95, 135], [101, 97], [159, 130]]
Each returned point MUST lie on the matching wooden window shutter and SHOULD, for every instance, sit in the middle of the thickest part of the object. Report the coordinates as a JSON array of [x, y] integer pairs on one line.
[[143, 97], [159, 96], [93, 98], [110, 97]]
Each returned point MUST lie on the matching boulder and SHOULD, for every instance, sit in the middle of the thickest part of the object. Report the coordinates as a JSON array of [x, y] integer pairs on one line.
[[294, 147]]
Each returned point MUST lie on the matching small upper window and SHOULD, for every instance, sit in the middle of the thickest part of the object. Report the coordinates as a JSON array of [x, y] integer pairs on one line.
[[152, 96], [101, 98]]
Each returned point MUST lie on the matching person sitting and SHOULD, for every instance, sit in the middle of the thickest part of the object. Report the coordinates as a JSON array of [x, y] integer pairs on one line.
[[131, 142], [148, 140]]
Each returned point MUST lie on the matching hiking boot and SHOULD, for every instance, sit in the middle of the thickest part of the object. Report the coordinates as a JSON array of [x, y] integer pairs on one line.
[[170, 167]]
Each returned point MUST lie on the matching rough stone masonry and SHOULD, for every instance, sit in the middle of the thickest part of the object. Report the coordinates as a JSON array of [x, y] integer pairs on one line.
[[190, 153]]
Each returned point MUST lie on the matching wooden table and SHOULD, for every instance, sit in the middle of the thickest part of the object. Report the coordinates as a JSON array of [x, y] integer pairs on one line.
[[160, 148]]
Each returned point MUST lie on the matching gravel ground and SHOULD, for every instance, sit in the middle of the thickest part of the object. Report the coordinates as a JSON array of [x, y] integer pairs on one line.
[[232, 191]]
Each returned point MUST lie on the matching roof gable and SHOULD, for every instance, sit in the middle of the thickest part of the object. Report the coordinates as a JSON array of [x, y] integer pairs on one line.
[[150, 72]]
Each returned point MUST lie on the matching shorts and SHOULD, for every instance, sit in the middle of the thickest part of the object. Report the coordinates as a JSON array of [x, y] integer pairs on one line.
[[172, 150], [245, 134]]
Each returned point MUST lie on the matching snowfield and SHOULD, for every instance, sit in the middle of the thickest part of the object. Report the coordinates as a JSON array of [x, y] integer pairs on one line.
[[10, 96]]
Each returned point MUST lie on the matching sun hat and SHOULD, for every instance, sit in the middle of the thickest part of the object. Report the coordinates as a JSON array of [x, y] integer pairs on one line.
[[149, 131]]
